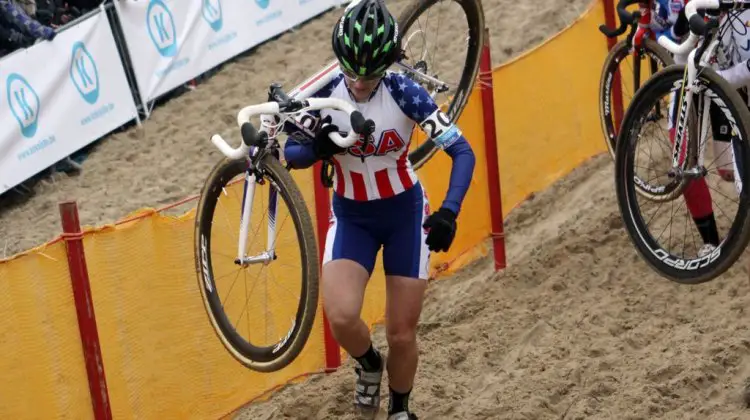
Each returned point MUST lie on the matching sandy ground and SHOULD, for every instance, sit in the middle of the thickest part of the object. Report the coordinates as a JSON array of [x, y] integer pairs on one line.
[[169, 156], [577, 327]]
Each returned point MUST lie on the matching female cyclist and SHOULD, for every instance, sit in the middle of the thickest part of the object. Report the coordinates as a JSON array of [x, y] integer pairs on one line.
[[378, 200]]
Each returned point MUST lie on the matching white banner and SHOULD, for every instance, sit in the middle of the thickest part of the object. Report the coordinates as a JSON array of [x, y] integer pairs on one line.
[[173, 41], [57, 97]]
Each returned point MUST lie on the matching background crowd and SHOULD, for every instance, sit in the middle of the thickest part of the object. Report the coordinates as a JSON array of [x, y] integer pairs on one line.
[[25, 22]]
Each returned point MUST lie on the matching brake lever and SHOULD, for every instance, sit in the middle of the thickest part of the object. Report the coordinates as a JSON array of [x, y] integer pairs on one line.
[[286, 104], [633, 28]]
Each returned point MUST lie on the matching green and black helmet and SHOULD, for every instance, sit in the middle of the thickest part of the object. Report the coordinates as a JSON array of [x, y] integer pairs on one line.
[[366, 40]]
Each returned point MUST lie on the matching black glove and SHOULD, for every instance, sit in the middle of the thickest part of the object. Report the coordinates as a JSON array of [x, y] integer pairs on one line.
[[323, 146], [442, 229]]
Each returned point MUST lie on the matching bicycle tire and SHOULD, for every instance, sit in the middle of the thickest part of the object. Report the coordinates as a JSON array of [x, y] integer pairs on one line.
[[611, 63], [699, 270], [475, 17], [262, 359]]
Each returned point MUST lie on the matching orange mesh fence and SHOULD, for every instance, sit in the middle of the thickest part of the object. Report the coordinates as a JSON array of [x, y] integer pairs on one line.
[[161, 356], [42, 365], [546, 108]]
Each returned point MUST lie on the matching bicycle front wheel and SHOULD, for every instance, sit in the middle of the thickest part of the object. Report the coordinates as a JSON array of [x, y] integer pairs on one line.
[[708, 237], [264, 322], [455, 28]]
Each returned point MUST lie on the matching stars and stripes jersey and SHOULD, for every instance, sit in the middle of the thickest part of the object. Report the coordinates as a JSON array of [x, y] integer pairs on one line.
[[396, 105]]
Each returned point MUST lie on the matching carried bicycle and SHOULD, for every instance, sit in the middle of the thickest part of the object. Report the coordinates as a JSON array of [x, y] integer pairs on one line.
[[639, 45], [223, 261], [424, 67], [697, 97]]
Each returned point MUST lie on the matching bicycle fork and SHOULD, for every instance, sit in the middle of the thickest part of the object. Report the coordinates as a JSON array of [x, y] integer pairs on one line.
[[682, 153], [265, 257]]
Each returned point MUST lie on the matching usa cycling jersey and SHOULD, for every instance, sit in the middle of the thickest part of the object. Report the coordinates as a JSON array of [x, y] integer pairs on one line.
[[382, 168], [378, 200]]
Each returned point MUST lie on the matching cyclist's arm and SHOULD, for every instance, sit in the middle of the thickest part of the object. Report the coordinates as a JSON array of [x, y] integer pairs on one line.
[[298, 150], [461, 172], [449, 138], [417, 104]]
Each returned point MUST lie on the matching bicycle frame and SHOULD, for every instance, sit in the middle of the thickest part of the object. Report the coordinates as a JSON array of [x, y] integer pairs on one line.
[[696, 44], [268, 125], [638, 23]]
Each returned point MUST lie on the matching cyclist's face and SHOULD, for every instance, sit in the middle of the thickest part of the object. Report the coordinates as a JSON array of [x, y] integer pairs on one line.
[[361, 87]]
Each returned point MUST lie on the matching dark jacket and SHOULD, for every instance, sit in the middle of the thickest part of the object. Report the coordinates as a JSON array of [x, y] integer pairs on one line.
[[15, 18]]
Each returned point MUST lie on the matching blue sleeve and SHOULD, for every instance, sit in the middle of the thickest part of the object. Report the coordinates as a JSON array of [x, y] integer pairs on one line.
[[307, 122], [461, 174], [298, 152], [417, 104]]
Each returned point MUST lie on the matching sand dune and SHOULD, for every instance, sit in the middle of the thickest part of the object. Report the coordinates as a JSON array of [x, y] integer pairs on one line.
[[577, 327]]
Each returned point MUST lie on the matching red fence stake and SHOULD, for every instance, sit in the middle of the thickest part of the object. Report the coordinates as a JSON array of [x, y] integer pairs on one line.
[[609, 20], [490, 140], [79, 278], [322, 212]]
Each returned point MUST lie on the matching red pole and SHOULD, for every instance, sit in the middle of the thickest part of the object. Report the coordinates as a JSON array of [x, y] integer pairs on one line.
[[79, 278], [493, 167], [609, 20], [322, 212]]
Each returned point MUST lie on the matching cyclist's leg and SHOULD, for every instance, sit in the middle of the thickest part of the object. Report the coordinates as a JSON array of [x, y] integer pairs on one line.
[[726, 152], [696, 194], [722, 141], [739, 77], [348, 262], [343, 285], [406, 263], [404, 297]]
